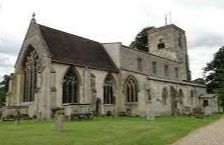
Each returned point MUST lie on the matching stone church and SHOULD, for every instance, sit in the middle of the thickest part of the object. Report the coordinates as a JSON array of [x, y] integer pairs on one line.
[[59, 69]]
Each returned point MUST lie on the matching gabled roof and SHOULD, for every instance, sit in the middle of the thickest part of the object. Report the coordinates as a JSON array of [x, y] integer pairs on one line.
[[72, 49]]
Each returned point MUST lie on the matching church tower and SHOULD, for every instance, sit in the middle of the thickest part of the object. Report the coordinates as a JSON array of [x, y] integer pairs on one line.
[[170, 42]]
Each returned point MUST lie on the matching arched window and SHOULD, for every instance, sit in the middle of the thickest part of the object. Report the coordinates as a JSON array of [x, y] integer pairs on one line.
[[131, 89], [108, 90], [30, 67], [164, 96], [70, 87], [161, 44], [181, 96]]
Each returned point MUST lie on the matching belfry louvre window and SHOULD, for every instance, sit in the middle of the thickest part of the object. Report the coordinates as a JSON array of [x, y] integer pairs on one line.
[[139, 64], [70, 87], [108, 90], [176, 73], [131, 90], [154, 67], [161, 44], [166, 70], [31, 68]]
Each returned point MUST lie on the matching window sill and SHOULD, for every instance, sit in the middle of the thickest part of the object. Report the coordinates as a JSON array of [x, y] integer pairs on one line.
[[109, 104], [73, 104], [131, 103], [26, 103]]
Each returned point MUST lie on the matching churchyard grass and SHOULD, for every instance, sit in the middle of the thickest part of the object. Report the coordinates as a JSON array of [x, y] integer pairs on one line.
[[102, 131]]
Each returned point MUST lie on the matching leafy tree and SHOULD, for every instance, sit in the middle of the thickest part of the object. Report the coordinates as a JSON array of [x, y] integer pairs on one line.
[[214, 71], [220, 92], [215, 75], [4, 86], [141, 40]]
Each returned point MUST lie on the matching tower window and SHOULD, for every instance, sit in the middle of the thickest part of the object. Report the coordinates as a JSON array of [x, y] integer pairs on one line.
[[139, 64], [154, 67], [176, 73], [180, 41], [161, 44], [166, 70]]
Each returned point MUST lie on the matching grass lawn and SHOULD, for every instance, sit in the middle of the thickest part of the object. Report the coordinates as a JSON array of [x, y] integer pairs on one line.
[[102, 131]]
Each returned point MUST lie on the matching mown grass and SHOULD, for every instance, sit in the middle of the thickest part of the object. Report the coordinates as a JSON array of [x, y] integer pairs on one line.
[[102, 131]]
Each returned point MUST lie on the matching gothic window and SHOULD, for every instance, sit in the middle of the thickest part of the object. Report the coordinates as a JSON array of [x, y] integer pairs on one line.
[[108, 90], [149, 94], [166, 70], [154, 67], [139, 64], [181, 96], [161, 44], [31, 67], [70, 87], [164, 96], [176, 73], [131, 90], [180, 41]]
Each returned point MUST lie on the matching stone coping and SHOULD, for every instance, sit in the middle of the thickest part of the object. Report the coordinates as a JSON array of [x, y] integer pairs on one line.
[[175, 81]]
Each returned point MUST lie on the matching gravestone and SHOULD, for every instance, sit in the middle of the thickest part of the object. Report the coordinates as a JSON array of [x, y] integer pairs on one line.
[[150, 113], [59, 122], [207, 111]]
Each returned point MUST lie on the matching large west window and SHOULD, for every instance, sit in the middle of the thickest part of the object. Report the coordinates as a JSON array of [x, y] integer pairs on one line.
[[31, 66], [70, 86]]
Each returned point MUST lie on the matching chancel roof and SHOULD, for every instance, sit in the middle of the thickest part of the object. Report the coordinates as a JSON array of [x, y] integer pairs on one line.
[[72, 49]]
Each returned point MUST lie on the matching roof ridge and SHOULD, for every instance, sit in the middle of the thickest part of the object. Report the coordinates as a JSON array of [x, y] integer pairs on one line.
[[67, 33]]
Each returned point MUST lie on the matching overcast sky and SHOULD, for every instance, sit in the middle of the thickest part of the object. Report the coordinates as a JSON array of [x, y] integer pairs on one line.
[[114, 21]]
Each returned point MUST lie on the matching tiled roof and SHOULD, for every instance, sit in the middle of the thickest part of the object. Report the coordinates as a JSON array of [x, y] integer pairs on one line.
[[72, 49]]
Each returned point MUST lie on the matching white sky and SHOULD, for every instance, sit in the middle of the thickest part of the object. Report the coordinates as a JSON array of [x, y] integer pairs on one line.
[[114, 21]]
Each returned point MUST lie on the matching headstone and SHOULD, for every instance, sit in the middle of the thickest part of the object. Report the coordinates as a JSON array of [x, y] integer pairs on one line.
[[207, 111], [150, 113], [59, 123]]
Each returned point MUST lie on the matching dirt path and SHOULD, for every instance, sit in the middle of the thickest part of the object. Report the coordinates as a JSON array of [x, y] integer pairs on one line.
[[212, 134]]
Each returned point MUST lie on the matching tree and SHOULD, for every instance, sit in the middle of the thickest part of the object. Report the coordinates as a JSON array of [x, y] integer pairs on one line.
[[4, 86], [141, 40], [220, 92], [214, 72]]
